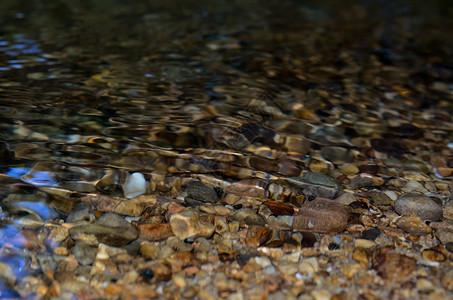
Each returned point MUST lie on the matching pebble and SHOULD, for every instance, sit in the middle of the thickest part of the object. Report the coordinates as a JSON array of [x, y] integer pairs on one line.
[[249, 217], [279, 208], [84, 253], [418, 205], [349, 169], [257, 236], [371, 234], [414, 186], [412, 225], [447, 280], [136, 206], [448, 210], [134, 186], [360, 255], [321, 215], [381, 198], [198, 191], [110, 229], [444, 236], [394, 266], [191, 224], [316, 184], [449, 246], [362, 243], [149, 250], [433, 255], [154, 232]]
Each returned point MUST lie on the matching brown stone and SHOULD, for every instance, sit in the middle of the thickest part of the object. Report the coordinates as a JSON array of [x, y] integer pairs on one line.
[[360, 255], [394, 267], [433, 255], [279, 208], [444, 172], [418, 205], [256, 236], [155, 232], [413, 225], [448, 210], [447, 280], [321, 215], [191, 224], [248, 188]]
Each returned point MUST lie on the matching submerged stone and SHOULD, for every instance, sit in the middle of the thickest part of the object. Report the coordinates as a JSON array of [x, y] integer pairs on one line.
[[418, 205], [321, 215]]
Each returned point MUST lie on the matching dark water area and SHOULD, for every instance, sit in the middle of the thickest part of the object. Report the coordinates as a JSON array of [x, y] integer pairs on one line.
[[222, 91]]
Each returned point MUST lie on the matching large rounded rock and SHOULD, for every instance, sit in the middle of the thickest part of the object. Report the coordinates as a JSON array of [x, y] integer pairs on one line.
[[418, 205]]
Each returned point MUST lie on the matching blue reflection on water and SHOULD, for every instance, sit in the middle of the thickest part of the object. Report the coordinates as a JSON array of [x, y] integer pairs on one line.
[[38, 178], [40, 209], [17, 172]]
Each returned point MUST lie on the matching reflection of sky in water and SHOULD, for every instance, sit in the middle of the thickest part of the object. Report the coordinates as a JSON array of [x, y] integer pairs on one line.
[[10, 237], [19, 46], [39, 208], [38, 178]]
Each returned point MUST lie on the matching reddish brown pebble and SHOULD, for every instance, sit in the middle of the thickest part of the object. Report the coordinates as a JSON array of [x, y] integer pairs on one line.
[[321, 215], [394, 267], [174, 208], [444, 172], [155, 232], [279, 208], [256, 236]]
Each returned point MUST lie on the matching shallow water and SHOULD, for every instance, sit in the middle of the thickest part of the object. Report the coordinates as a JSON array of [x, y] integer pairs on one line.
[[228, 89]]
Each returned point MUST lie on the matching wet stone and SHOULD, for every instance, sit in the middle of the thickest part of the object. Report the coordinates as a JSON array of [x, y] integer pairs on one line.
[[447, 280], [394, 267], [412, 225], [418, 205], [448, 210], [321, 215], [359, 182], [198, 191], [316, 184], [84, 253], [371, 234], [380, 198], [449, 246], [279, 208], [155, 232], [257, 236], [80, 214], [248, 216], [191, 224], [433, 255], [110, 229]]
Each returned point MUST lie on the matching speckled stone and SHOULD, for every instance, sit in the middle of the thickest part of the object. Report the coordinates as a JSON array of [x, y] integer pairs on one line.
[[418, 205], [198, 191], [321, 215]]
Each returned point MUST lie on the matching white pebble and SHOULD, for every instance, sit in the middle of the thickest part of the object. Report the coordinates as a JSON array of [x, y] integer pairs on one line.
[[134, 186]]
